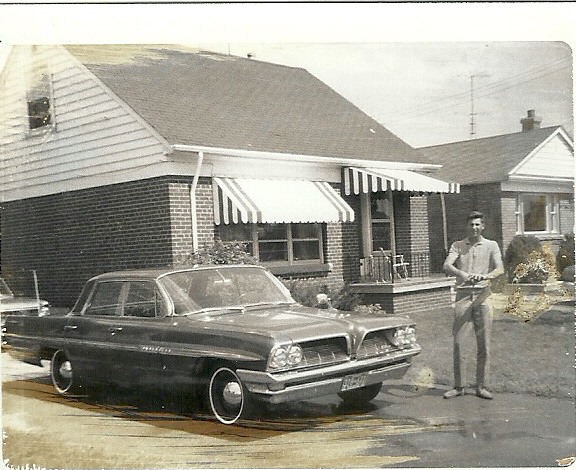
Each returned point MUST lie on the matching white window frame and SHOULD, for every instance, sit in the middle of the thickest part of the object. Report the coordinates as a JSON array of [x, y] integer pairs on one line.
[[552, 214], [254, 241]]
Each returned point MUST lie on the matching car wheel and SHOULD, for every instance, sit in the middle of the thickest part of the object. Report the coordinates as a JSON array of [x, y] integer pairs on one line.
[[61, 372], [361, 395], [228, 397]]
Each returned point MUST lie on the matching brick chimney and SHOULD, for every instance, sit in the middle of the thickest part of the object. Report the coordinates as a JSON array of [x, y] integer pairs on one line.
[[531, 121]]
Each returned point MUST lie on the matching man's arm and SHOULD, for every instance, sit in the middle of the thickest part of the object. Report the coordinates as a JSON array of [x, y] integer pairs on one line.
[[496, 262], [450, 265]]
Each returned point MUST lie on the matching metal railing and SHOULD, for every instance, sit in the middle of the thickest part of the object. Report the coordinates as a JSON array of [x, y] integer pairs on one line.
[[417, 264]]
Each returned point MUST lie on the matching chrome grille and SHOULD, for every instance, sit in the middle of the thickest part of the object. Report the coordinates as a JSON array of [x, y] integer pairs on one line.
[[327, 351], [374, 344]]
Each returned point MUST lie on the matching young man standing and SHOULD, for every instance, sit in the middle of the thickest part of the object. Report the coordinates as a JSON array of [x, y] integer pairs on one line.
[[475, 261]]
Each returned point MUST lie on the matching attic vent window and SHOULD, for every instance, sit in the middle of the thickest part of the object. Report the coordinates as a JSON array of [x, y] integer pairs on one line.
[[39, 113], [39, 99]]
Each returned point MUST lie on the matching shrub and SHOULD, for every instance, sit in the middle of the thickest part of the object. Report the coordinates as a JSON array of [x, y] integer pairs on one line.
[[565, 255], [220, 253], [304, 291], [539, 266], [518, 251]]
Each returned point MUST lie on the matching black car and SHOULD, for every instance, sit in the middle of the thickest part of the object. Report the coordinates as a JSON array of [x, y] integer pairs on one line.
[[229, 335]]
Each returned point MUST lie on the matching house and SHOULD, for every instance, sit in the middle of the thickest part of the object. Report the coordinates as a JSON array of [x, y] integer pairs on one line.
[[523, 182], [133, 156]]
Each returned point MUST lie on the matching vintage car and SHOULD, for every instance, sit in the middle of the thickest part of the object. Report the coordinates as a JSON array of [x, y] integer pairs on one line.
[[230, 336], [11, 304]]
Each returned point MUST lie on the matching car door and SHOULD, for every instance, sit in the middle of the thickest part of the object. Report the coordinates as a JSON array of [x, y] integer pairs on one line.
[[118, 336], [136, 336], [89, 333]]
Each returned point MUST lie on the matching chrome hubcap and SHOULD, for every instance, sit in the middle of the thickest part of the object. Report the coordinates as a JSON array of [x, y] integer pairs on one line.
[[65, 370], [232, 393]]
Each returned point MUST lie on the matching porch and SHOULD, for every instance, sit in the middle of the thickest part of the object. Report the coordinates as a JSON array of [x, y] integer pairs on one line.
[[405, 283]]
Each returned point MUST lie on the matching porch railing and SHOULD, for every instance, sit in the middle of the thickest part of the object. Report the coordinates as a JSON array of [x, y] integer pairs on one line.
[[419, 264]]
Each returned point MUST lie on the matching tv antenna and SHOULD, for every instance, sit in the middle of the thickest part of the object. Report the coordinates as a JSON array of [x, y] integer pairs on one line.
[[472, 113]]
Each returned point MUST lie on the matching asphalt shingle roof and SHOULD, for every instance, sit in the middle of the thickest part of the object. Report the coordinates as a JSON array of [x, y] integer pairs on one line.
[[208, 99], [485, 160]]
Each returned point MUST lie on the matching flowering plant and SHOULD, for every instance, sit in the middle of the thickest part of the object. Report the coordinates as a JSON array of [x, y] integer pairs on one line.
[[539, 266]]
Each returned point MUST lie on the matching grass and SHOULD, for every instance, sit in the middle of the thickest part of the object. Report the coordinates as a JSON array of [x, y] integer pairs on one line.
[[534, 357]]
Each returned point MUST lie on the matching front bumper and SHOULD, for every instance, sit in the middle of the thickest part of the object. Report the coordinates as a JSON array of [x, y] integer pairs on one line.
[[298, 385]]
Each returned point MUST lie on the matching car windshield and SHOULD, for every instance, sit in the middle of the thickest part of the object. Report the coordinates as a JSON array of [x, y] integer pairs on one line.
[[4, 289], [223, 287]]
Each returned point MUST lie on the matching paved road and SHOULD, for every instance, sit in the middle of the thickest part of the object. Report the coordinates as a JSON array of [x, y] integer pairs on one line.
[[402, 428]]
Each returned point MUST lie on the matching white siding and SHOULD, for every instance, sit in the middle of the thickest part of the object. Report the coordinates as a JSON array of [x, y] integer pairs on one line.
[[95, 138], [554, 159]]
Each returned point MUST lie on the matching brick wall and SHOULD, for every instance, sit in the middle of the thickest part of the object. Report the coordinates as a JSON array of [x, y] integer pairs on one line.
[[351, 242], [412, 302], [482, 197], [69, 237], [436, 233], [413, 231], [181, 222], [509, 222]]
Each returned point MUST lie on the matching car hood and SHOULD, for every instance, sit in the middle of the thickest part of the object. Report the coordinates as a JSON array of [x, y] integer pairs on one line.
[[297, 322], [11, 304]]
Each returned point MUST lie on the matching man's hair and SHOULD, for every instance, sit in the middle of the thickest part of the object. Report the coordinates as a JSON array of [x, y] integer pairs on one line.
[[475, 215]]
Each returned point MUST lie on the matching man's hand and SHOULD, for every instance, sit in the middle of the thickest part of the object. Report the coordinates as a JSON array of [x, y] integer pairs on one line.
[[474, 278]]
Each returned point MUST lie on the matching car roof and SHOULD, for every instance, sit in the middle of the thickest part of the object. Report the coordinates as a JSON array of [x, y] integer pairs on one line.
[[155, 273]]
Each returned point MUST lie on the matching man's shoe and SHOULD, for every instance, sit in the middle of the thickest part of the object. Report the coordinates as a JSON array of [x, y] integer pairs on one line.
[[483, 393], [455, 392]]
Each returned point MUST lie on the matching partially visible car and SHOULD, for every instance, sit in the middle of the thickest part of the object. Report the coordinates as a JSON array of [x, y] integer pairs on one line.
[[11, 304], [224, 336]]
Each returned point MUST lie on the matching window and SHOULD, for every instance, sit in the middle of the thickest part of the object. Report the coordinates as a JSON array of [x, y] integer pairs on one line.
[[106, 299], [144, 300], [380, 214], [278, 243], [537, 213], [135, 299], [39, 99]]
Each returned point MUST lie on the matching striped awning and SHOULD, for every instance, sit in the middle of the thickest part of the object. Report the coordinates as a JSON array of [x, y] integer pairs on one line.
[[365, 180], [277, 201]]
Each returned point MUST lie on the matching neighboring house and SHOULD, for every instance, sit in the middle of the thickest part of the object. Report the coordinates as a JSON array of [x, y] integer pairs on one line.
[[120, 157], [523, 181]]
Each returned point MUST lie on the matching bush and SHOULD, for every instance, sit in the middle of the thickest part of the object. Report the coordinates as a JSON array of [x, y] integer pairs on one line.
[[540, 266], [220, 253], [304, 291], [565, 255], [518, 251]]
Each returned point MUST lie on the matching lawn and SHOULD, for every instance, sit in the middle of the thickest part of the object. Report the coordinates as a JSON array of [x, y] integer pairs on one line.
[[535, 357]]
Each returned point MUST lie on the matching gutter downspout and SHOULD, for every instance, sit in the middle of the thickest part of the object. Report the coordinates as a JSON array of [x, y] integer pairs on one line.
[[37, 291], [193, 215], [444, 223]]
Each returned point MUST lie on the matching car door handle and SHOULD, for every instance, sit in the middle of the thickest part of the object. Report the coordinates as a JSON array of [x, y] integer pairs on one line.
[[70, 327], [115, 329]]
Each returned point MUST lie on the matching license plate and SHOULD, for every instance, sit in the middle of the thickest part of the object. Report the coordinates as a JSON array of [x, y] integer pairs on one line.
[[353, 381]]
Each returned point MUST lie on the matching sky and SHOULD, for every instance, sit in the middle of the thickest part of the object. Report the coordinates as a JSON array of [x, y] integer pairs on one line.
[[430, 73]]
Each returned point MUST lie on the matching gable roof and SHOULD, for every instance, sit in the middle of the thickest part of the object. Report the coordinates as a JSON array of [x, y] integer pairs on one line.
[[489, 159], [215, 100]]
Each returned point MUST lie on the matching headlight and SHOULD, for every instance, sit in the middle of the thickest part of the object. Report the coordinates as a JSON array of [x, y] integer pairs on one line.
[[283, 356], [403, 337], [278, 358], [294, 355]]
